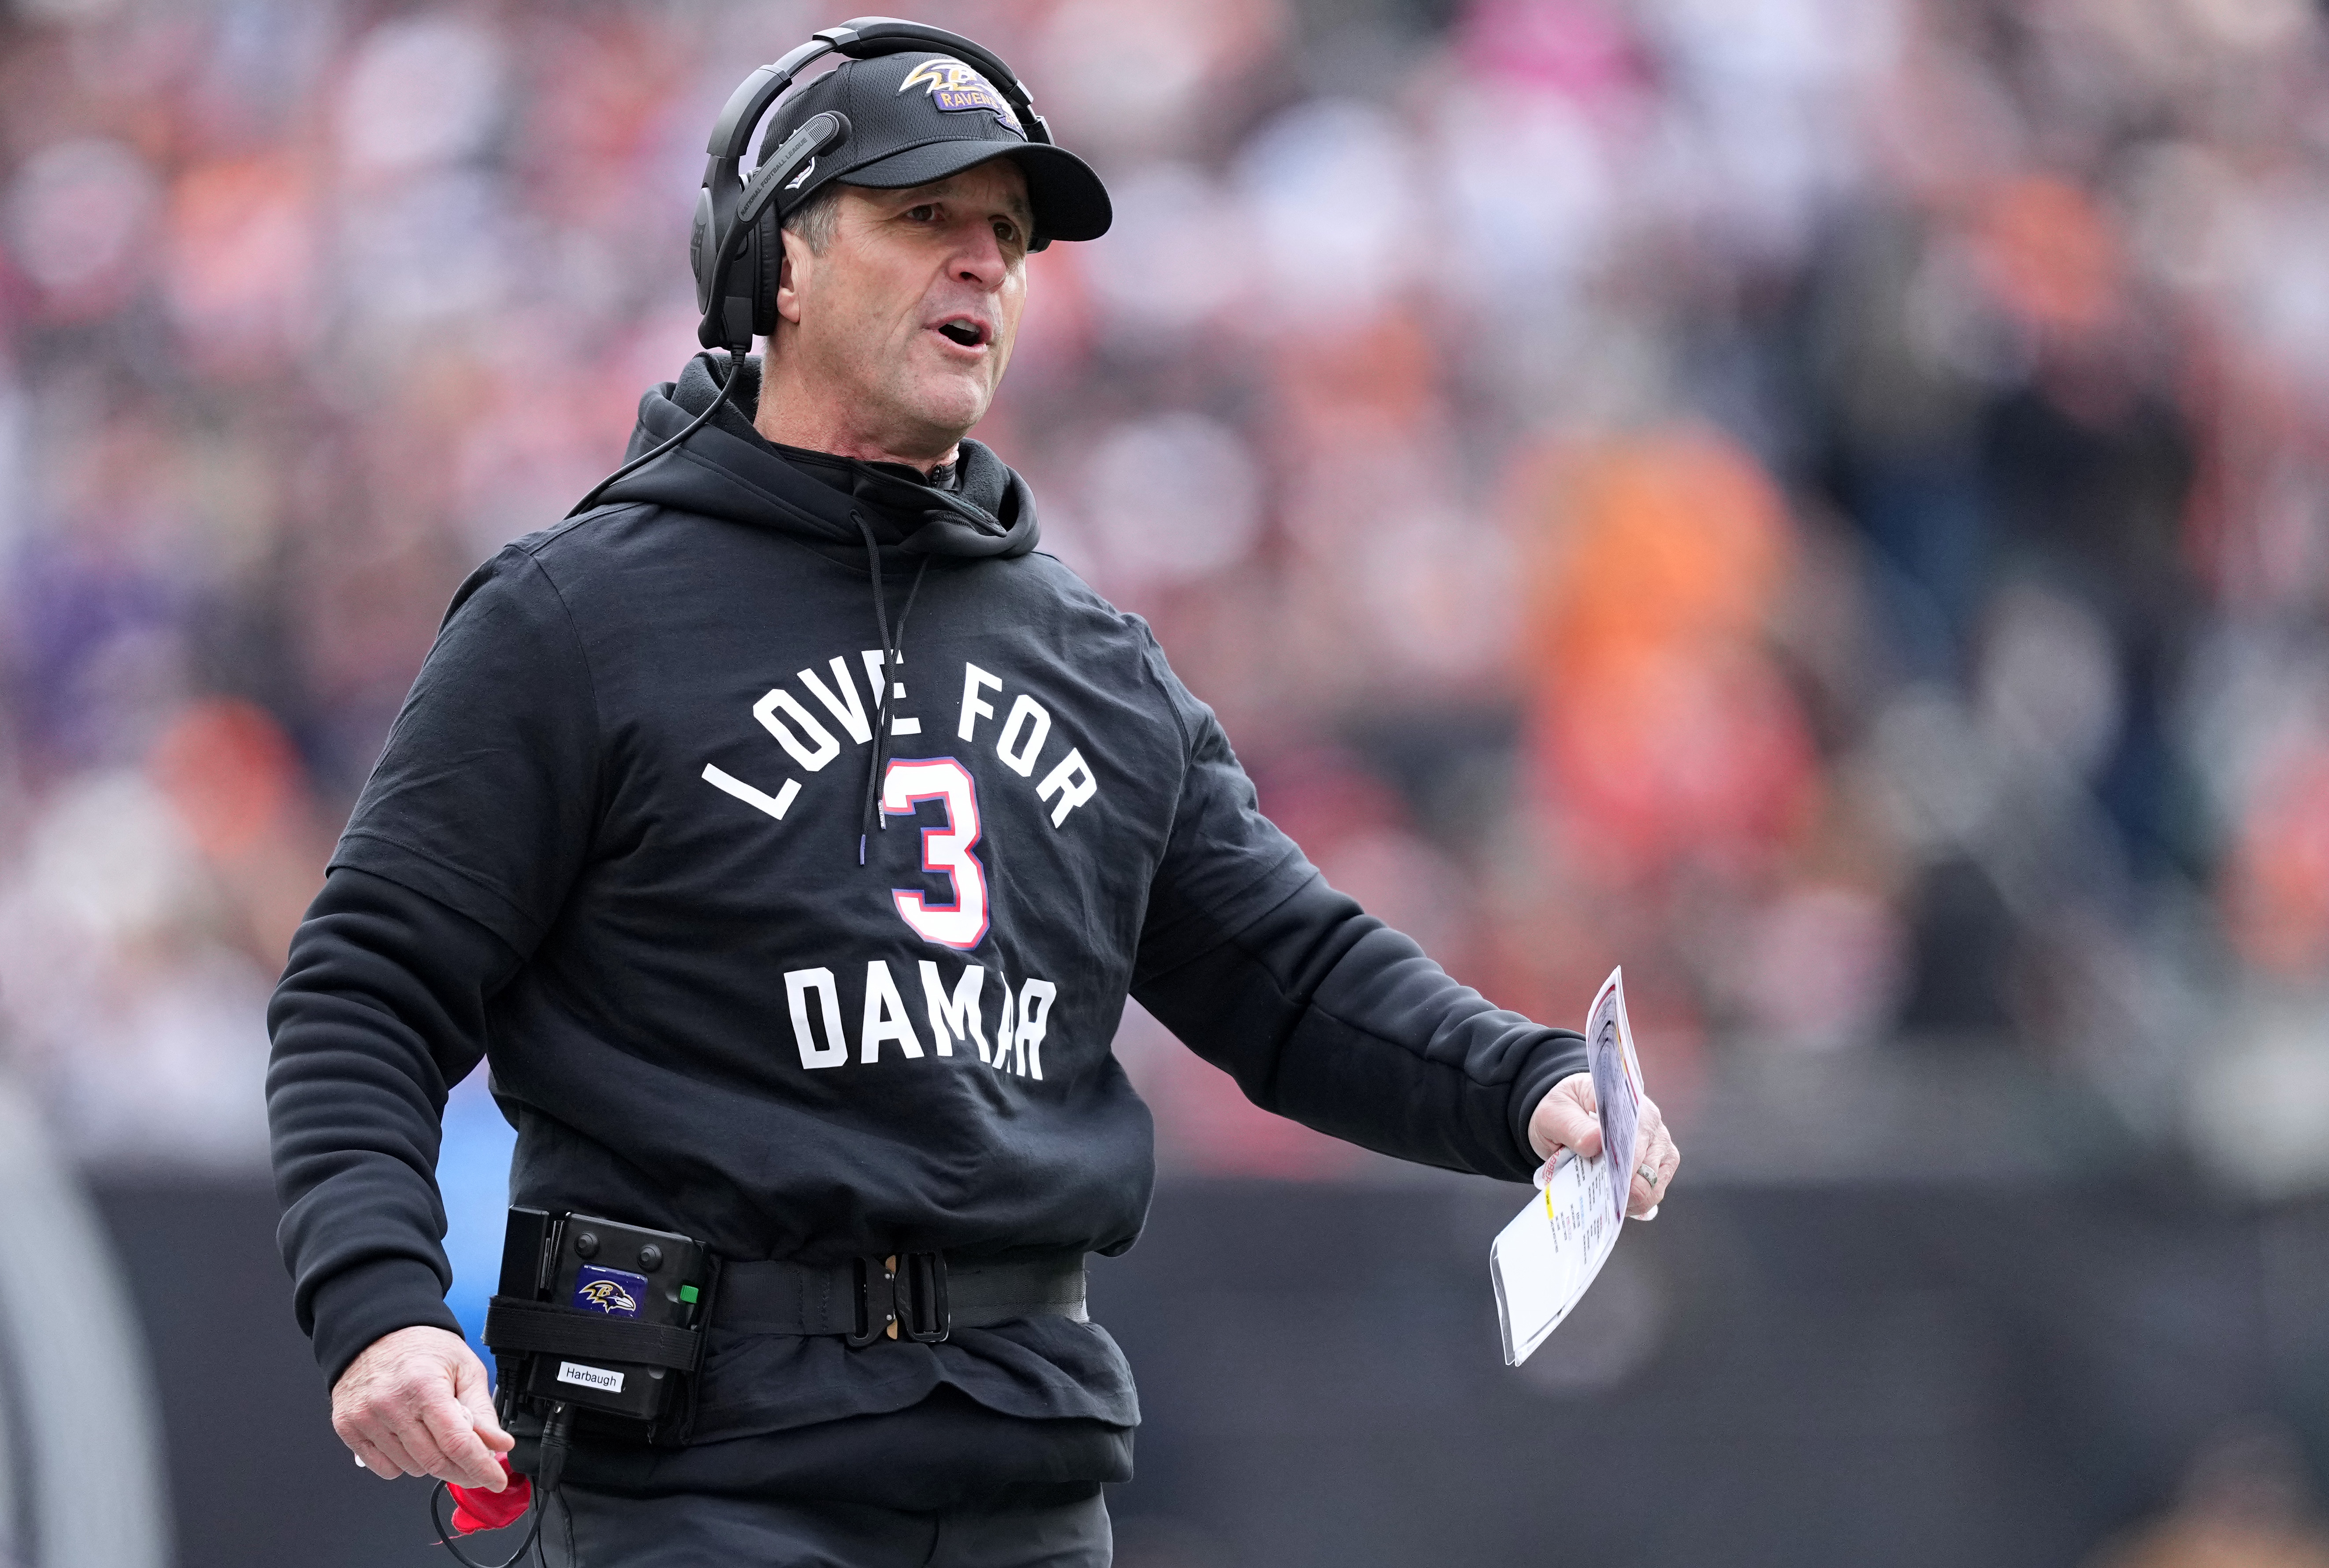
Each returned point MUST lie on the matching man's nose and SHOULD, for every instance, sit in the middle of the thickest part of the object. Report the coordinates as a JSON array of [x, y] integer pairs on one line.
[[978, 260]]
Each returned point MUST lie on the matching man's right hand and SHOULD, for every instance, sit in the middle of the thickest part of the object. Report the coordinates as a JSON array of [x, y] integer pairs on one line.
[[415, 1403], [1566, 1118]]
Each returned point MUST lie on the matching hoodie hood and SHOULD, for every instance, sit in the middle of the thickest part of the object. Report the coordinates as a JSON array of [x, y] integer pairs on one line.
[[730, 471]]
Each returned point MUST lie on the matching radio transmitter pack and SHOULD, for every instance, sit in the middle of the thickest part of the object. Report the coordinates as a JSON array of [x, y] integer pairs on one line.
[[599, 1318]]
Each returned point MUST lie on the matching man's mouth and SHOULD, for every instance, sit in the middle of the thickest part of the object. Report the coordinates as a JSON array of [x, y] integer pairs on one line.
[[964, 331]]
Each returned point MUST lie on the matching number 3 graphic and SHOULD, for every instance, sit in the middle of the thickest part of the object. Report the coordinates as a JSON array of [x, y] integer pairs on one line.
[[908, 784]]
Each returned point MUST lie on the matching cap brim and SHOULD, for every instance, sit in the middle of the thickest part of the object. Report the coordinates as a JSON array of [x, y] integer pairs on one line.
[[1068, 201]]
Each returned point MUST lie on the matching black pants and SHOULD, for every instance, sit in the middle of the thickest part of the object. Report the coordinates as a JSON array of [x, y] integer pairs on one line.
[[587, 1528]]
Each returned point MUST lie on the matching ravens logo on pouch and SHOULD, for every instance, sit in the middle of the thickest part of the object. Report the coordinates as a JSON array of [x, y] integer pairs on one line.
[[606, 1296]]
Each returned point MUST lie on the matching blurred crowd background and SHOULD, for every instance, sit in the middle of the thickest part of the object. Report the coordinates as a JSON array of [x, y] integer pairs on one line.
[[1823, 501]]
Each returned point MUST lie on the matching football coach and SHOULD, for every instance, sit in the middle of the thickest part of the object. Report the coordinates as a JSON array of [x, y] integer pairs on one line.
[[787, 831]]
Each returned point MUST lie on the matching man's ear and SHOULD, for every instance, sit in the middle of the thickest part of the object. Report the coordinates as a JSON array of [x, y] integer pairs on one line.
[[794, 274]]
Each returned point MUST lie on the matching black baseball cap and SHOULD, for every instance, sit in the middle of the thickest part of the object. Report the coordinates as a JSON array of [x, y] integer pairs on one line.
[[921, 116]]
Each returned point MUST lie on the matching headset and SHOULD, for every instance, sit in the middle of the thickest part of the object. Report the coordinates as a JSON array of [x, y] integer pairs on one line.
[[736, 246]]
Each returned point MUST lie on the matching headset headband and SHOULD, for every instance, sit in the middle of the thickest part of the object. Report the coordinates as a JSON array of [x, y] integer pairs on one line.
[[736, 298]]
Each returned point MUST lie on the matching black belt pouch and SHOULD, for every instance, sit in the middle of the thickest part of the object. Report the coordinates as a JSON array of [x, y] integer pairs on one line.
[[603, 1318]]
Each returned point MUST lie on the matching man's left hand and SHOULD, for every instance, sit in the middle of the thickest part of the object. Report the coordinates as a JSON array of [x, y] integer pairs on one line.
[[1569, 1118]]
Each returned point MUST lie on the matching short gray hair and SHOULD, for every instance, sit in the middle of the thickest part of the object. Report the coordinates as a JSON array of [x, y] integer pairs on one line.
[[814, 218]]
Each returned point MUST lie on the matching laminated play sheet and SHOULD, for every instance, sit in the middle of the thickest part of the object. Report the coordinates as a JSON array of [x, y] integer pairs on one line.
[[1544, 1261]]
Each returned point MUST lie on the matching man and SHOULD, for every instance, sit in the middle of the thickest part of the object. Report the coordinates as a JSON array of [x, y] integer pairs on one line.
[[789, 834]]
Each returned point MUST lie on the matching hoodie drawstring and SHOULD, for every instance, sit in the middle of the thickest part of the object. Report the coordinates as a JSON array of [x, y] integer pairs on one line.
[[891, 653]]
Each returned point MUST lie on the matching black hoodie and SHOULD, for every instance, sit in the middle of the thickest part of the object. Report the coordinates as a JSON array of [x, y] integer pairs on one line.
[[614, 844]]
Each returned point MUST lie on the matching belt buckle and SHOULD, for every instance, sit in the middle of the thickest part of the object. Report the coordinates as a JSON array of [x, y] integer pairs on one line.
[[906, 1290], [929, 1317]]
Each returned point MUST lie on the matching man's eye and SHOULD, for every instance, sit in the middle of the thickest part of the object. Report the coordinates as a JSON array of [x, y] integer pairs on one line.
[[1007, 232], [923, 213]]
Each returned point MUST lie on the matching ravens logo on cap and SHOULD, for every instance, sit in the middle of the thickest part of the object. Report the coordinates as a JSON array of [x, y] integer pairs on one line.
[[954, 86]]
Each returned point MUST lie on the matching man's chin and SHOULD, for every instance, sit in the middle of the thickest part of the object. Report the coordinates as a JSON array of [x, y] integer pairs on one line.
[[948, 403]]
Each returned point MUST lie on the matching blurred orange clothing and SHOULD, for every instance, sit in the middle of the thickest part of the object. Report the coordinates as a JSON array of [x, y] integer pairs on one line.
[[1661, 725]]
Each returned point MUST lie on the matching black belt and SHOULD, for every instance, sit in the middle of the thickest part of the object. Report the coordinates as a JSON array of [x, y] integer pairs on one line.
[[917, 1296], [920, 1296]]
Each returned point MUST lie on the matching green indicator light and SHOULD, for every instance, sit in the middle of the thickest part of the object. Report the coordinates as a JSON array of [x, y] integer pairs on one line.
[[688, 1294]]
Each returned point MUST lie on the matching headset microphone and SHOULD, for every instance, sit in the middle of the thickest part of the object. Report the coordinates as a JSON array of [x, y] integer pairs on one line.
[[799, 151]]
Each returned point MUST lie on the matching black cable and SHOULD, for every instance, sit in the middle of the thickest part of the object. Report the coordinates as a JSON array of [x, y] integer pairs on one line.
[[727, 387], [556, 1432]]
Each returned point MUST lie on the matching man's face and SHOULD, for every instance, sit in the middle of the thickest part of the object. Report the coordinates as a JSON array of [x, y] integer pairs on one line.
[[909, 312]]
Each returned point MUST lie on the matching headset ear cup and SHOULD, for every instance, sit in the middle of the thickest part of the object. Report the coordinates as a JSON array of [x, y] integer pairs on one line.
[[769, 243], [699, 243]]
